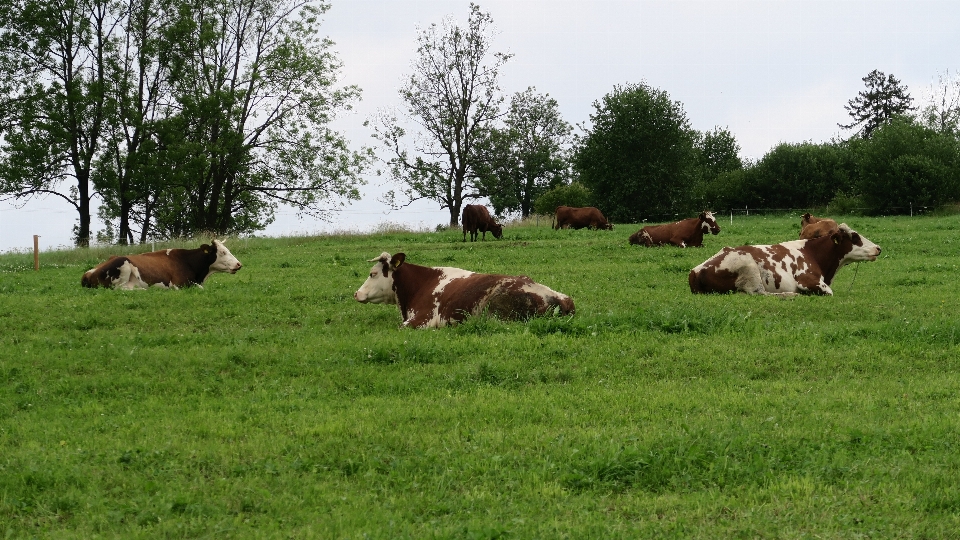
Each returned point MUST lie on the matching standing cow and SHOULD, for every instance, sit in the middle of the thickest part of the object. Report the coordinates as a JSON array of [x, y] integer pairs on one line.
[[814, 227], [475, 218], [785, 269], [578, 218], [435, 297], [171, 268], [684, 233]]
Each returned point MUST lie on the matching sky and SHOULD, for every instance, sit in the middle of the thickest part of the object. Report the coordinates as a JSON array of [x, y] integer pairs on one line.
[[770, 71]]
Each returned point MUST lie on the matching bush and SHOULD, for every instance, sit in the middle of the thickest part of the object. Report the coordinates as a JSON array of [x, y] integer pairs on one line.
[[573, 194]]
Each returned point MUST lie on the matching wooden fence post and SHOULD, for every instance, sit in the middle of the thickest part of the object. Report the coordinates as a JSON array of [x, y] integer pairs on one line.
[[36, 252]]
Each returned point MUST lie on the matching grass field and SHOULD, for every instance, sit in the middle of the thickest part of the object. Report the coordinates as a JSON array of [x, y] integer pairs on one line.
[[270, 404]]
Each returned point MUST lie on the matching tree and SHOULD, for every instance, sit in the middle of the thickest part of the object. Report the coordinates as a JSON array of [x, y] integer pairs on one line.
[[941, 110], [572, 194], [884, 98], [906, 163], [254, 93], [717, 153], [638, 157], [126, 182], [518, 162], [53, 98], [453, 97]]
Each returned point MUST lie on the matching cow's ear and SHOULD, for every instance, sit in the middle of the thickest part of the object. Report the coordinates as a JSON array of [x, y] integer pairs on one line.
[[205, 248], [397, 260], [836, 238]]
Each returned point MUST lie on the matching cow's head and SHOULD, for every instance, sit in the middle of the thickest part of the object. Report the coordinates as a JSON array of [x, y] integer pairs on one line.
[[606, 225], [708, 223], [807, 219], [225, 261], [497, 230], [860, 248], [378, 288]]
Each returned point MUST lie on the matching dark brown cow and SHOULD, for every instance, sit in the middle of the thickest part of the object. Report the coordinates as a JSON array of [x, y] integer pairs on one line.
[[786, 269], [814, 227], [475, 218], [683, 233], [578, 218], [435, 297], [166, 268]]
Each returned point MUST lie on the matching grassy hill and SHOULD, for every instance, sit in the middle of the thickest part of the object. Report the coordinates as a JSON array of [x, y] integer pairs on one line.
[[271, 404]]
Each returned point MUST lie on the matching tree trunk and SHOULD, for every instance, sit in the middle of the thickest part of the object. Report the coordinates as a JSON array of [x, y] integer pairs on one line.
[[83, 192]]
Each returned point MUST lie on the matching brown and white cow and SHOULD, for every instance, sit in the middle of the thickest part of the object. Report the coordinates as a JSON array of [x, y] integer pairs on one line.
[[475, 218], [165, 268], [786, 269], [578, 218], [814, 227], [684, 233], [433, 297]]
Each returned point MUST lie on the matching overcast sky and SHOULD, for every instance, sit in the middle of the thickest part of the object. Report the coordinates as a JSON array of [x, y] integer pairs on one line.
[[770, 71]]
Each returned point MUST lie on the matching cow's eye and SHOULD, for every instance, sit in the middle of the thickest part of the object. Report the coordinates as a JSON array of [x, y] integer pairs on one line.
[[373, 274]]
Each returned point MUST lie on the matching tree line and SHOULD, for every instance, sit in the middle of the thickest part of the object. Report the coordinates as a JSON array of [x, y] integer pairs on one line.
[[187, 116], [182, 115]]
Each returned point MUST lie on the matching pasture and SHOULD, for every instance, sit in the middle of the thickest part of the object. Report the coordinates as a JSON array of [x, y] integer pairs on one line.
[[272, 405]]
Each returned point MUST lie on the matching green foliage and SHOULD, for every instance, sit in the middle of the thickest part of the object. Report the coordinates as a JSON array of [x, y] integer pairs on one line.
[[517, 163], [884, 99], [453, 97], [271, 404], [224, 114], [572, 194], [906, 163], [638, 156]]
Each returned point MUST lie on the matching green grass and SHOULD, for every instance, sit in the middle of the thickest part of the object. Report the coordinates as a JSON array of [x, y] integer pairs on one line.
[[270, 404]]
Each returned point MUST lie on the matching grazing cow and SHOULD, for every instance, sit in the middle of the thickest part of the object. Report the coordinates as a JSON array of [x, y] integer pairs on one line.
[[786, 269], [683, 233], [814, 227], [475, 218], [165, 268], [578, 218], [435, 297]]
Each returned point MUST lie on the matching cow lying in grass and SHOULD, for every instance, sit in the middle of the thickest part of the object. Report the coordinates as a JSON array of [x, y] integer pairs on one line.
[[432, 297], [684, 233], [165, 268], [786, 269]]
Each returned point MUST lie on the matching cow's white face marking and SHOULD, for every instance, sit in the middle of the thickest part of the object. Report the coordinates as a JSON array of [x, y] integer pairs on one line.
[[863, 249], [225, 262], [709, 224], [378, 288]]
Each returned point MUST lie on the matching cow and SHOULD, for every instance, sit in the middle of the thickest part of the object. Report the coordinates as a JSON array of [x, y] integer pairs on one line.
[[814, 227], [684, 233], [578, 218], [434, 297], [785, 269], [475, 218], [170, 268]]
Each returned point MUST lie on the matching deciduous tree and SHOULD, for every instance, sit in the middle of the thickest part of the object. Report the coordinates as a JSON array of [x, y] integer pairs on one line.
[[525, 157], [452, 97], [637, 157]]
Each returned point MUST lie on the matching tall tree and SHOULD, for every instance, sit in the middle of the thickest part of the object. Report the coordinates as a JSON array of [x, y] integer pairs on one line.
[[453, 97], [123, 177], [883, 99], [254, 93], [53, 64], [941, 109], [525, 157], [638, 157]]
